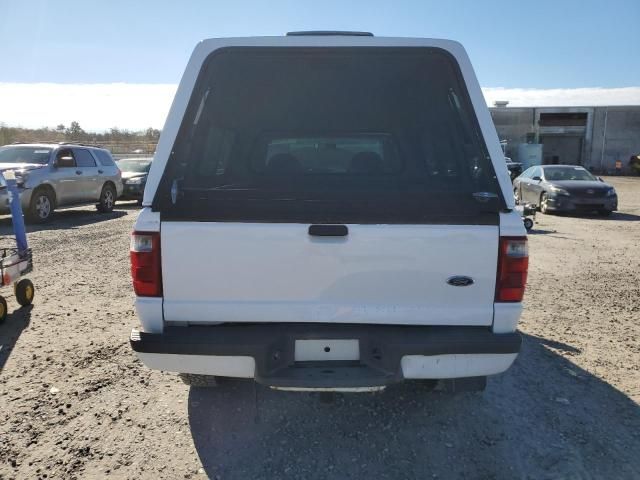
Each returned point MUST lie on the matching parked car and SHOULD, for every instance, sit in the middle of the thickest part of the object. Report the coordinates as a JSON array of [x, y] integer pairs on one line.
[[356, 229], [134, 177], [565, 188], [515, 168], [52, 176]]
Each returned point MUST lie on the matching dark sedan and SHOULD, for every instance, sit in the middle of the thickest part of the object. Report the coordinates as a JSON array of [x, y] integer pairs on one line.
[[564, 188], [134, 177], [515, 168]]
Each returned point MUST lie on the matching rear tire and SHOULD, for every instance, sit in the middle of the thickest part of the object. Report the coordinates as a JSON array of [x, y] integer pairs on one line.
[[107, 199], [459, 385], [4, 310], [196, 380], [424, 384], [41, 206], [24, 291]]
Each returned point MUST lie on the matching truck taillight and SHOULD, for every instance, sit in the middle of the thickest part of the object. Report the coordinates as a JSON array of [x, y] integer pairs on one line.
[[513, 264], [145, 264]]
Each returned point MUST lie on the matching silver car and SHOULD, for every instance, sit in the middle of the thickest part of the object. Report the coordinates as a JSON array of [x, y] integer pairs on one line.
[[52, 176]]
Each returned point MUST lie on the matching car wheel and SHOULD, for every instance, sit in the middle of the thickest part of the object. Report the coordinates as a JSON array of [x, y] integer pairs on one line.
[[528, 224], [107, 199], [544, 203], [4, 310], [605, 213], [41, 206], [24, 291], [195, 380]]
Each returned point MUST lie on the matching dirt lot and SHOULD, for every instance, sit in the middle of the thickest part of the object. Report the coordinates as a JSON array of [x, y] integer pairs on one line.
[[75, 402]]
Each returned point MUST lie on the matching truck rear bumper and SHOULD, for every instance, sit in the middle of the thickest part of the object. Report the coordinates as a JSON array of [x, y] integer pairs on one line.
[[384, 354]]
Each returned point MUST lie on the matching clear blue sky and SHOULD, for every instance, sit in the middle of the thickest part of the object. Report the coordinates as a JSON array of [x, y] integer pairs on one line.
[[512, 43]]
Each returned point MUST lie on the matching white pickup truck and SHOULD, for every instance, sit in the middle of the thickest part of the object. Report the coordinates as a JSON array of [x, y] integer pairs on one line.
[[329, 211]]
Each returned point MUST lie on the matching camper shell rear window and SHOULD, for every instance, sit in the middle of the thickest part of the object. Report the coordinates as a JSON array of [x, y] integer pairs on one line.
[[329, 135]]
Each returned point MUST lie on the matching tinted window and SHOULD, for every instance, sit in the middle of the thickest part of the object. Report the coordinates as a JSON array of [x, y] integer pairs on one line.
[[335, 135], [537, 172], [366, 154], [527, 173], [568, 173], [84, 158], [10, 154], [66, 152], [134, 165], [104, 157]]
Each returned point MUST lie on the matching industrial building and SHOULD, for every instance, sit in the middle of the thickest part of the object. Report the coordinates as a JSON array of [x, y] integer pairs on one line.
[[594, 137]]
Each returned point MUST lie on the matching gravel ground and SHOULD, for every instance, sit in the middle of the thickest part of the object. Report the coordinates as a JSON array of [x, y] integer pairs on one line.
[[75, 402]]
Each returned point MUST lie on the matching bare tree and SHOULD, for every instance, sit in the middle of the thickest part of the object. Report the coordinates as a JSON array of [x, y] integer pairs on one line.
[[75, 131]]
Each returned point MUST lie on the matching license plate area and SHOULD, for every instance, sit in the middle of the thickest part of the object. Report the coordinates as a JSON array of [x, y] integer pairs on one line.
[[327, 350], [587, 202]]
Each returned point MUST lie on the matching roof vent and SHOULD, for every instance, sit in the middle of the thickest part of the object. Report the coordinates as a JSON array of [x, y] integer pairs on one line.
[[328, 33], [501, 103]]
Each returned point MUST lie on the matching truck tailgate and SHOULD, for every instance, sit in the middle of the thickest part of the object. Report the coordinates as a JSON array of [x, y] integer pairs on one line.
[[379, 274]]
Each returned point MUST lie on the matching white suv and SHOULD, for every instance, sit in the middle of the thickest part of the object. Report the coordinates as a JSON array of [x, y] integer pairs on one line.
[[329, 211]]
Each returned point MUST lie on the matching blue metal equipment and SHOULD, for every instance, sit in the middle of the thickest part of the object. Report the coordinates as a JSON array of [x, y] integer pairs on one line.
[[15, 261]]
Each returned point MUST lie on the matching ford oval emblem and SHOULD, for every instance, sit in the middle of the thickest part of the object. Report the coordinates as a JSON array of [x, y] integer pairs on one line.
[[460, 281], [590, 191]]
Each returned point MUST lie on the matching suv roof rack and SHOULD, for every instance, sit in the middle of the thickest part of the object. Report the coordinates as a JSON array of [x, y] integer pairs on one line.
[[49, 142], [329, 33], [94, 145]]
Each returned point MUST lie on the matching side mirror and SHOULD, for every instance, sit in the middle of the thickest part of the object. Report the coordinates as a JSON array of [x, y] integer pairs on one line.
[[64, 162], [600, 179], [536, 178]]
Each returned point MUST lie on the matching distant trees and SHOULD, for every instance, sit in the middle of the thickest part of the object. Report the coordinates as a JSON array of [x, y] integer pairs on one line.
[[116, 139], [3, 134], [75, 131], [153, 134], [15, 134]]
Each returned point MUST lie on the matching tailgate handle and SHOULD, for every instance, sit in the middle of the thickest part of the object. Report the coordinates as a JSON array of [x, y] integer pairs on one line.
[[328, 230]]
